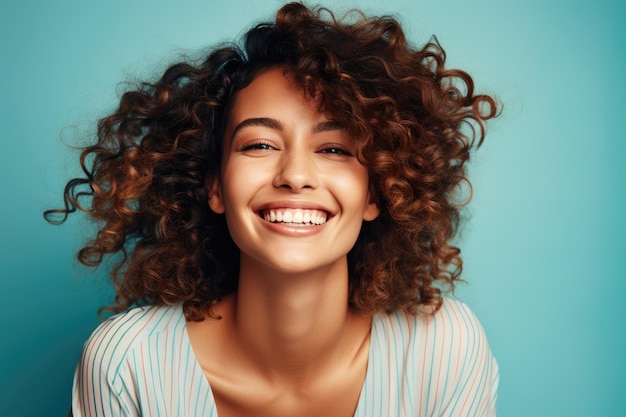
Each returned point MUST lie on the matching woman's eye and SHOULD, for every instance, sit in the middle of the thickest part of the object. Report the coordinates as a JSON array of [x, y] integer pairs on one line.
[[257, 146], [336, 150]]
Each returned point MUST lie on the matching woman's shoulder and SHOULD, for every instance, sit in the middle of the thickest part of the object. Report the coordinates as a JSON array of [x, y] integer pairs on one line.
[[445, 358], [114, 339], [132, 360], [454, 330]]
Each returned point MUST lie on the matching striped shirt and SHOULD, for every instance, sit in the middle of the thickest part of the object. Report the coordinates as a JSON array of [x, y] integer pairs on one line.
[[140, 363]]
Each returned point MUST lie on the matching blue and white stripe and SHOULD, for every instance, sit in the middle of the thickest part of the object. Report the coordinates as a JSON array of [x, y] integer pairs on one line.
[[140, 363], [440, 366]]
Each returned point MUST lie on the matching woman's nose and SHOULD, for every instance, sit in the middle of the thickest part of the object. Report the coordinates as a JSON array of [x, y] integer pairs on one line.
[[296, 171]]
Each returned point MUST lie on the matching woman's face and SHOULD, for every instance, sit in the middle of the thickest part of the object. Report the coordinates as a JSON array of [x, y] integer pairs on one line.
[[292, 190]]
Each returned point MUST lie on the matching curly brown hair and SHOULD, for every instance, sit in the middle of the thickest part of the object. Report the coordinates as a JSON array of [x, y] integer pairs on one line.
[[414, 121]]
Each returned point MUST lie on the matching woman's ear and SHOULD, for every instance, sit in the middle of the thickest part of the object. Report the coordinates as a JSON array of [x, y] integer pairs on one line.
[[371, 209], [216, 202]]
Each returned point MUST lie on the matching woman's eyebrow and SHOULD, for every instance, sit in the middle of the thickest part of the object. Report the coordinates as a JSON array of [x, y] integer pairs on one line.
[[258, 121], [329, 125], [268, 122]]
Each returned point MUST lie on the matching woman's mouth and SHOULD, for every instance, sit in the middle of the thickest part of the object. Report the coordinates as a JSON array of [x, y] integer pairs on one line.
[[295, 217]]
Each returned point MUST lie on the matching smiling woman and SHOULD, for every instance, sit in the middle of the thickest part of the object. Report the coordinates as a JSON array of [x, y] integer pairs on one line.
[[284, 156], [284, 211]]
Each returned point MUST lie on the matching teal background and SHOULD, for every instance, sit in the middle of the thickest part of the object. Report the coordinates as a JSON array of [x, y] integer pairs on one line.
[[545, 246]]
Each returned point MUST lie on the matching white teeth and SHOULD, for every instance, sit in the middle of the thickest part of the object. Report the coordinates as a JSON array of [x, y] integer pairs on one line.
[[296, 217]]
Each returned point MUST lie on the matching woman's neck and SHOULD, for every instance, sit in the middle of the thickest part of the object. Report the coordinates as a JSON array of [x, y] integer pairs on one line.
[[290, 325]]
